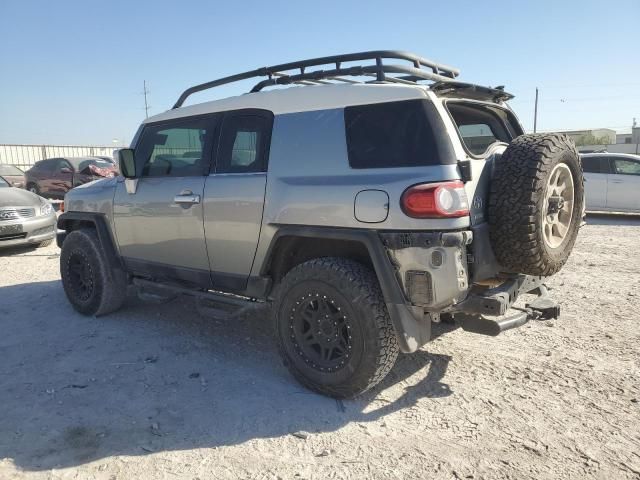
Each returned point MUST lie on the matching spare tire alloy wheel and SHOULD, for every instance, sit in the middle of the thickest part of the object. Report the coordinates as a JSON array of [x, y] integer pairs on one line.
[[558, 205]]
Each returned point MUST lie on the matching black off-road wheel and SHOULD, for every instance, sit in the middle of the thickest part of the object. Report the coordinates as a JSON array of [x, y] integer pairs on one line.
[[333, 328], [536, 203], [92, 285]]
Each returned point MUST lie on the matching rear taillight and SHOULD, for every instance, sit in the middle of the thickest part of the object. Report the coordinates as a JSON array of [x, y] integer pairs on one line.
[[435, 200]]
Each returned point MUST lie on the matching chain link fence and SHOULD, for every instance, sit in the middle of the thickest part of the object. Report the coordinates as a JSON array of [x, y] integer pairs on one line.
[[24, 156]]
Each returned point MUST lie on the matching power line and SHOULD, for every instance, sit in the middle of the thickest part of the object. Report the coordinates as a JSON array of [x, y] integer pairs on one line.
[[146, 105]]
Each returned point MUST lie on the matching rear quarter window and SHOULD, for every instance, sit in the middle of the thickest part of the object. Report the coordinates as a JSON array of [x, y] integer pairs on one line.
[[387, 135]]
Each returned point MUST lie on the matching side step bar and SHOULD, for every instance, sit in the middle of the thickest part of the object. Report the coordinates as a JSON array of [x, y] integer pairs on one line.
[[227, 299]]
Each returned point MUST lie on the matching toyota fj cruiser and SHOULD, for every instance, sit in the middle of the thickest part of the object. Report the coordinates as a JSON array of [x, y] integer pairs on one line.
[[365, 202]]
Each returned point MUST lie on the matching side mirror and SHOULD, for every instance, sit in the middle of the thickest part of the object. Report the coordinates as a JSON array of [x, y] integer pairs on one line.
[[126, 163], [65, 170]]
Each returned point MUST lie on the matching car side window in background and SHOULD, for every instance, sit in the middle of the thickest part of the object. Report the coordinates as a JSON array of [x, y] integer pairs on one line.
[[623, 166], [175, 149], [388, 135], [48, 166], [243, 145], [592, 165]]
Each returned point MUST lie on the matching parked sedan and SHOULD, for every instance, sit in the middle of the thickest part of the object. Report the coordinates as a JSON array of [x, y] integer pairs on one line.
[[612, 182], [13, 175], [25, 218], [54, 177]]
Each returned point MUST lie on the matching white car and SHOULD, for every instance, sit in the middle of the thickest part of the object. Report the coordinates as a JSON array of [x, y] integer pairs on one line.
[[612, 182]]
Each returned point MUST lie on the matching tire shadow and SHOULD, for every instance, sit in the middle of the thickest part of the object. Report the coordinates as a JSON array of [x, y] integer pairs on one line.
[[153, 378]]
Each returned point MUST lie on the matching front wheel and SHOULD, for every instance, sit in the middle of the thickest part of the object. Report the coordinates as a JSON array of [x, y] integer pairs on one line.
[[334, 332], [92, 285]]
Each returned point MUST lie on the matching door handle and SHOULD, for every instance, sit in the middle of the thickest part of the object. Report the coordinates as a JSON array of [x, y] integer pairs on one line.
[[188, 199], [617, 181]]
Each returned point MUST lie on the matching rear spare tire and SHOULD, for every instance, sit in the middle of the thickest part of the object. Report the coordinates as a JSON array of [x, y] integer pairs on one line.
[[536, 203]]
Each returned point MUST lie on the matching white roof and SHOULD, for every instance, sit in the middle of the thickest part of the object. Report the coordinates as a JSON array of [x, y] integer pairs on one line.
[[302, 99]]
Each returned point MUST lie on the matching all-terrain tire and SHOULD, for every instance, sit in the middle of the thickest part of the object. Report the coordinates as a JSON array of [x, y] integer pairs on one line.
[[519, 203], [91, 284], [342, 297]]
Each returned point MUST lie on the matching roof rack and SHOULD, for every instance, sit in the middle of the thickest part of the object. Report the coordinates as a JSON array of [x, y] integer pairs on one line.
[[419, 70]]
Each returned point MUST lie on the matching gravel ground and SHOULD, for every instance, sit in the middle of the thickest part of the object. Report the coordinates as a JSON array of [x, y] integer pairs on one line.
[[158, 391]]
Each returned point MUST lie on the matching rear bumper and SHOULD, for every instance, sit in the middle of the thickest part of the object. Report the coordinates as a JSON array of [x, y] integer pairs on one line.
[[34, 231]]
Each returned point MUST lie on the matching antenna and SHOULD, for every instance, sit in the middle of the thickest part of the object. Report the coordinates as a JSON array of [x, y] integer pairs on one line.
[[146, 105]]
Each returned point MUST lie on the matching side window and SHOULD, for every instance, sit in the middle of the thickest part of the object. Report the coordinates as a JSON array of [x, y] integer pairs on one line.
[[592, 165], [387, 135], [48, 166], [624, 166], [175, 149], [243, 144], [64, 164]]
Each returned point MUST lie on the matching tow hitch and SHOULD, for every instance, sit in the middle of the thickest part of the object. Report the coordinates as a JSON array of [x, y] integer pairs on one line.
[[473, 314]]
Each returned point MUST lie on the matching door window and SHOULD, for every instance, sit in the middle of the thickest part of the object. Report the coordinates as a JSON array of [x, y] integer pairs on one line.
[[594, 165], [244, 144], [48, 166], [624, 166], [175, 149]]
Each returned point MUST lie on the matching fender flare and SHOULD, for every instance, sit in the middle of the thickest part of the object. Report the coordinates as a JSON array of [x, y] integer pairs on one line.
[[412, 326], [99, 221]]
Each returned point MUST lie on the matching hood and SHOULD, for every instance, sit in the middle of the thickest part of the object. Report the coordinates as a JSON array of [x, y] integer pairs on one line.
[[16, 197]]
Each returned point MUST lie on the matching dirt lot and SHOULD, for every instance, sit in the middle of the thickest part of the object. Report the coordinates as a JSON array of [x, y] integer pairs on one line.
[[161, 392]]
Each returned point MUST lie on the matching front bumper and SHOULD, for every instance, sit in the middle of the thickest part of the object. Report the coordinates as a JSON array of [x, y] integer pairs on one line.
[[34, 231]]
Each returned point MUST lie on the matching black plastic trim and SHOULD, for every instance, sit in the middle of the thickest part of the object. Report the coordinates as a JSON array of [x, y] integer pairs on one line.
[[101, 224], [412, 327]]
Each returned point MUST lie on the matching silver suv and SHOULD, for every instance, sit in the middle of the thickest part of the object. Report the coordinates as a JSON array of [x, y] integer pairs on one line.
[[365, 202]]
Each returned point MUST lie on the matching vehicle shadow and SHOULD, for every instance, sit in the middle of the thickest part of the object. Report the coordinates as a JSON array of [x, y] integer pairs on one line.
[[153, 378], [612, 219]]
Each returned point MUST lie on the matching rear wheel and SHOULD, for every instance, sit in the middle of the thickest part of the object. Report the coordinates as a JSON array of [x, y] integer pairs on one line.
[[333, 328], [92, 285]]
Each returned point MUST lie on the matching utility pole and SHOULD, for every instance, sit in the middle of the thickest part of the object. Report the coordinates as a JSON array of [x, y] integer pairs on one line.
[[535, 113], [146, 105]]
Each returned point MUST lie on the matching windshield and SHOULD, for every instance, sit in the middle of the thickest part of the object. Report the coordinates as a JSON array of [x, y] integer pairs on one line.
[[3, 183], [481, 125], [10, 170]]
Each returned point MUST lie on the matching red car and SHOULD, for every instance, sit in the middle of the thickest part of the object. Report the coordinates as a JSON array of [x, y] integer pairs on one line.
[[54, 177]]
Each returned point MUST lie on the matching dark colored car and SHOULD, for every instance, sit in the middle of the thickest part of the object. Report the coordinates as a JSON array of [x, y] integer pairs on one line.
[[13, 175], [54, 177]]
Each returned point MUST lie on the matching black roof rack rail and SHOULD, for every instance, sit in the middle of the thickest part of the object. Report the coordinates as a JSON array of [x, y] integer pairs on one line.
[[421, 69]]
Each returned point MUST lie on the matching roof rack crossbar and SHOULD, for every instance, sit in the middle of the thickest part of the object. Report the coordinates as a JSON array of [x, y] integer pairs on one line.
[[422, 69]]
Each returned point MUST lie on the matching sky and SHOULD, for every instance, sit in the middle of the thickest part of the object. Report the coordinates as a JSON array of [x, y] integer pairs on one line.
[[72, 72]]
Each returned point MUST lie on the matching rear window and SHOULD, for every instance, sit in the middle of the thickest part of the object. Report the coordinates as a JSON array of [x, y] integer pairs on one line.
[[480, 126], [386, 135]]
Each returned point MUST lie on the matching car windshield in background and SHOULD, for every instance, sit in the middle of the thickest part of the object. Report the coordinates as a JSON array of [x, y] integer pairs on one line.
[[10, 170], [3, 183], [480, 126]]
